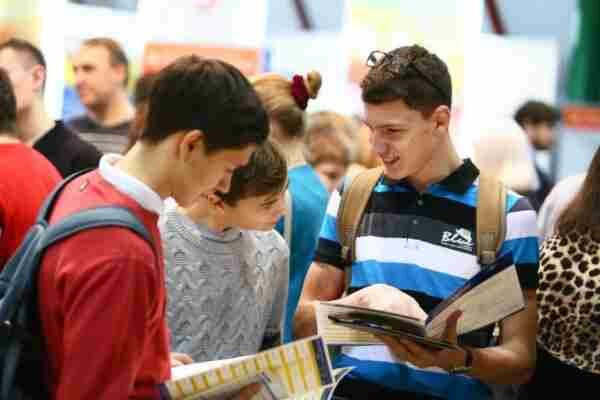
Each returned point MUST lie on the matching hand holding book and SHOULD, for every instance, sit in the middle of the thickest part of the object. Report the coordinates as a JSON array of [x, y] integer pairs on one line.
[[425, 355], [490, 296], [179, 359], [386, 298]]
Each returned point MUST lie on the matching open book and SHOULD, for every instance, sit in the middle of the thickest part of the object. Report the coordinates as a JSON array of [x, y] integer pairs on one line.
[[490, 296], [298, 370]]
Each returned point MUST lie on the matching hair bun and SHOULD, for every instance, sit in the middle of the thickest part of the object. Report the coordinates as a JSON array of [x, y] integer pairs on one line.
[[313, 83]]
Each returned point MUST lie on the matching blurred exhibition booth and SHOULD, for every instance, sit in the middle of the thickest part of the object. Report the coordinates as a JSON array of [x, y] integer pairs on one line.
[[500, 53]]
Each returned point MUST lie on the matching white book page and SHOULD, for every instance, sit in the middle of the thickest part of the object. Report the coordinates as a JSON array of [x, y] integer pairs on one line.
[[186, 371], [268, 390], [335, 334]]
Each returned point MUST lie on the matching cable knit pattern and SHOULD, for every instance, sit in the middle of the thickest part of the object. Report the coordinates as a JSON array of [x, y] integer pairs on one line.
[[227, 293]]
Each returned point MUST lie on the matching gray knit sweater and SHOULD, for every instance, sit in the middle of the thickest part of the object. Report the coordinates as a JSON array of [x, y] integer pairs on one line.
[[226, 292]]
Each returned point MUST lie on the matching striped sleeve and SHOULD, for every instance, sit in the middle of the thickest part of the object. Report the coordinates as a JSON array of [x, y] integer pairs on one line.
[[521, 240], [328, 248]]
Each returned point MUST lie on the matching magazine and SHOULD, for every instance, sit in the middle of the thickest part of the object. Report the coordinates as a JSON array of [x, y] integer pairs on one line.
[[300, 370]]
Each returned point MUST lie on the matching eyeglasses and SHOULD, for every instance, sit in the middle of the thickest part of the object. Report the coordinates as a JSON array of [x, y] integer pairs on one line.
[[399, 68]]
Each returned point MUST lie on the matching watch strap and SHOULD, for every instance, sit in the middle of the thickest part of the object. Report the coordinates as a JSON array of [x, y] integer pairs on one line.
[[468, 363]]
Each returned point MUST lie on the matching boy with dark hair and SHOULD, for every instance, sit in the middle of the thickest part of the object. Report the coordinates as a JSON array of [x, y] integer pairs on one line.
[[227, 269], [102, 291], [535, 113], [539, 120], [426, 192], [26, 67], [26, 177]]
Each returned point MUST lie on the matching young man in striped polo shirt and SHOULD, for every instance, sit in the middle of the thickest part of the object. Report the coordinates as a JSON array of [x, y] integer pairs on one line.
[[417, 235]]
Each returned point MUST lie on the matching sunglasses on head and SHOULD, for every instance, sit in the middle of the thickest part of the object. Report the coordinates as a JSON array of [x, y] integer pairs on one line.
[[399, 68]]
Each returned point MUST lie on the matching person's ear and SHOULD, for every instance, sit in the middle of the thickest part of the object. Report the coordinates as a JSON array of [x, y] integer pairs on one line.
[[121, 71], [39, 77], [216, 204], [441, 119], [190, 144]]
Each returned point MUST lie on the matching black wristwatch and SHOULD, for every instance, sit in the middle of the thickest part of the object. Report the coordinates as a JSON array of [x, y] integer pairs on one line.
[[468, 363]]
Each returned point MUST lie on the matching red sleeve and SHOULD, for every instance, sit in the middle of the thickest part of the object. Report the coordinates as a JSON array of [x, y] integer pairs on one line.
[[106, 307], [3, 239], [1, 217]]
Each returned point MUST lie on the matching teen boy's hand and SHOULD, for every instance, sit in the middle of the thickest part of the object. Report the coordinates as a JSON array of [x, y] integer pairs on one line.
[[424, 357], [383, 297], [178, 359]]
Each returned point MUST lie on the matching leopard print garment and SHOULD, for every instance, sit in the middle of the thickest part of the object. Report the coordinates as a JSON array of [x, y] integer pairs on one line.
[[569, 300]]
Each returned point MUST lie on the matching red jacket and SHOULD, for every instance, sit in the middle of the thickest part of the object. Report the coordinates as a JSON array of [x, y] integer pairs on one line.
[[26, 178], [102, 303]]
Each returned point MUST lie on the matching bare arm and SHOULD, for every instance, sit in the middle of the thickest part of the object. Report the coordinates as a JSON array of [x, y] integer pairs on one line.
[[324, 282], [511, 362]]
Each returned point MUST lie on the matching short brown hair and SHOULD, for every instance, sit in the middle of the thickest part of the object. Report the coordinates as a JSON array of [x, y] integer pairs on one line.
[[8, 105], [265, 173], [212, 96], [275, 92], [537, 112], [411, 74], [115, 51], [141, 91], [24, 47], [330, 137], [141, 94]]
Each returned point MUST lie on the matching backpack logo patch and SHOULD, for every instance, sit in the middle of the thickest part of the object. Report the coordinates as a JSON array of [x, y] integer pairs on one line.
[[461, 239]]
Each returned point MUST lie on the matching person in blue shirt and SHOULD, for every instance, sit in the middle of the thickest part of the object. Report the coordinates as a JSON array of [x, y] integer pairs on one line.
[[286, 101], [406, 241]]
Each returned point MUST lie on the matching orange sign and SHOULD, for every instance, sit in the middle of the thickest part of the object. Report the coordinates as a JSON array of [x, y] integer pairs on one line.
[[581, 117], [159, 55], [358, 70]]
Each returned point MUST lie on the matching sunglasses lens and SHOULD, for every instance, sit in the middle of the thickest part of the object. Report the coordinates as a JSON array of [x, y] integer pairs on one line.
[[375, 58], [371, 60]]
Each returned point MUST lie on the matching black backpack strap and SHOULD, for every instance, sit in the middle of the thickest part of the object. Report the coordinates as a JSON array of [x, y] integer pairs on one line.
[[48, 204], [19, 274], [96, 218]]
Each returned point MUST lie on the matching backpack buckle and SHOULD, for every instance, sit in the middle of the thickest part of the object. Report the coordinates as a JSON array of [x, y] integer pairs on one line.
[[16, 331], [487, 257]]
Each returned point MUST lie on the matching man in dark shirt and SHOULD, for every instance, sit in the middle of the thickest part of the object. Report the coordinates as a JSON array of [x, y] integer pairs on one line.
[[26, 67], [101, 71], [538, 120]]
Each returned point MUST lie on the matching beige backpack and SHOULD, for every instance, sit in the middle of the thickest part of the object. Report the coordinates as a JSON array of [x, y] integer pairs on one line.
[[491, 220]]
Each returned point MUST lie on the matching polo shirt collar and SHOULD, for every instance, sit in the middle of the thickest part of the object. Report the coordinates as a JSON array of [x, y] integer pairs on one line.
[[458, 181], [127, 184]]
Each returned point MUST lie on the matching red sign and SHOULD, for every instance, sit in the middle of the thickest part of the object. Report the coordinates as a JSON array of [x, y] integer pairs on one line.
[[581, 117], [159, 55]]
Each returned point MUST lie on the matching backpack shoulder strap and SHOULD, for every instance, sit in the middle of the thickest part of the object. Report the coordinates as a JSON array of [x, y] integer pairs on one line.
[[48, 204], [95, 218], [354, 201], [19, 278], [490, 219]]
